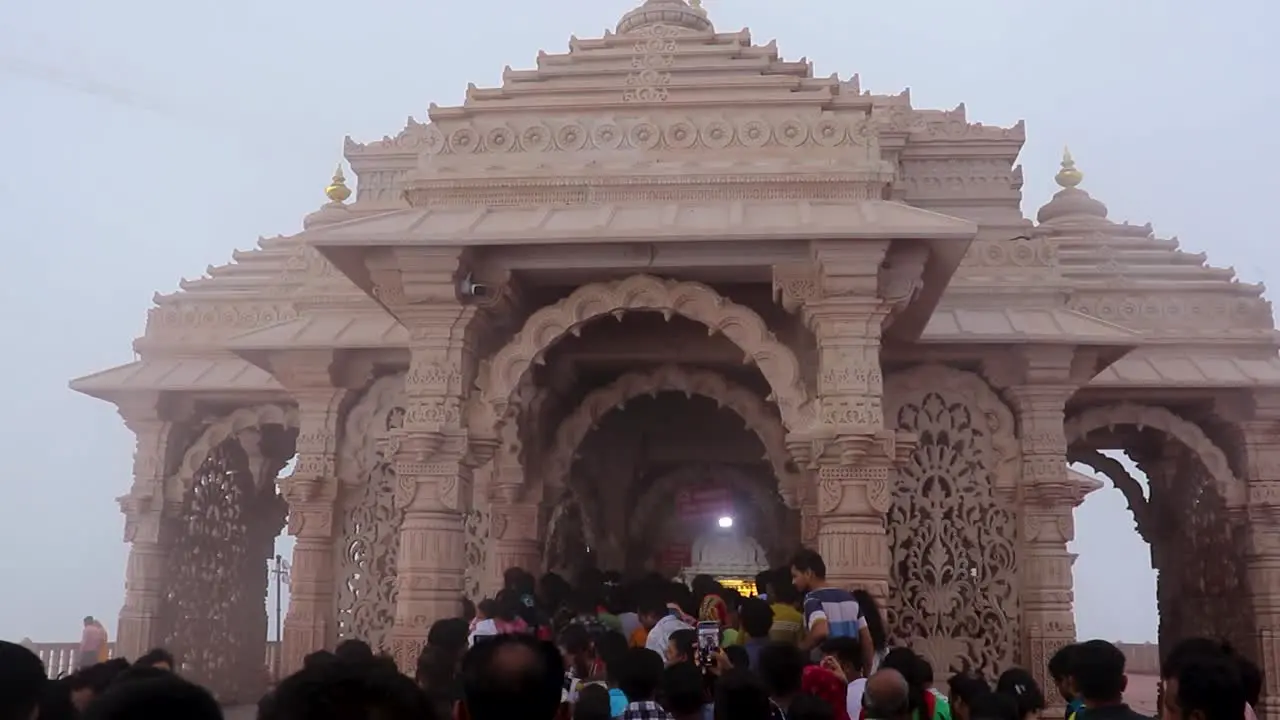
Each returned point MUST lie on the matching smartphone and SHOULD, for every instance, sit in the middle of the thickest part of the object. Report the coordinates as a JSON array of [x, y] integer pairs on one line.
[[708, 642]]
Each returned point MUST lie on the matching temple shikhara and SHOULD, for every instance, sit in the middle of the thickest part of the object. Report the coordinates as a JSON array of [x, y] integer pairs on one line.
[[669, 302]]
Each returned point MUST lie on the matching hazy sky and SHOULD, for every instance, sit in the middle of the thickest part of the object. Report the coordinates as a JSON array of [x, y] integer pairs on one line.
[[147, 140]]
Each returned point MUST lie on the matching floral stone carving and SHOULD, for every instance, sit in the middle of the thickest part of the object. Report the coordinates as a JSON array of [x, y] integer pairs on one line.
[[954, 541], [368, 544]]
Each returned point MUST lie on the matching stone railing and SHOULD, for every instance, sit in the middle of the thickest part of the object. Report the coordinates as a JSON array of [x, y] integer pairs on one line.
[[1141, 658], [60, 658]]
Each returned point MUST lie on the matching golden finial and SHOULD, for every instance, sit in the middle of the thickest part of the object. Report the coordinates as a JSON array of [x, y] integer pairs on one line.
[[338, 191], [1068, 176]]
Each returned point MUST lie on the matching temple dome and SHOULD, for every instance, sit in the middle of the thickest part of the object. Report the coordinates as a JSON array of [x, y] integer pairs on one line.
[[676, 13], [1071, 202]]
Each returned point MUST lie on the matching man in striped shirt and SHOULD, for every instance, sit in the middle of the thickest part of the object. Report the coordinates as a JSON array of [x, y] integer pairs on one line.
[[828, 611]]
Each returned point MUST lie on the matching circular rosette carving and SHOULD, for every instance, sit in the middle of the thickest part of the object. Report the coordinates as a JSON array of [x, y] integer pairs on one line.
[[644, 136], [828, 132], [681, 135], [792, 133], [607, 136], [571, 136], [717, 134], [464, 140], [536, 138], [500, 139], [754, 133], [433, 140]]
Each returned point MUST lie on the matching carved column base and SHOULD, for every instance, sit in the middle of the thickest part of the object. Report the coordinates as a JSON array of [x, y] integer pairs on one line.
[[853, 495], [430, 582], [142, 625], [308, 625]]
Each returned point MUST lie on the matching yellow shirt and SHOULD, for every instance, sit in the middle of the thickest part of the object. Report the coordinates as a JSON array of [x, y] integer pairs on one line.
[[788, 624]]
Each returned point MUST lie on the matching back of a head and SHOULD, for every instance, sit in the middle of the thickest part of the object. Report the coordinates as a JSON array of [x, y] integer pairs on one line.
[[1098, 669], [1251, 676], [512, 676], [808, 560], [781, 668], [756, 617], [741, 695], [1188, 650], [1060, 663], [994, 706], [449, 633], [610, 647], [353, 650], [592, 704], [55, 702], [156, 657], [810, 707], [139, 672], [22, 680], [683, 689], [907, 664], [639, 674], [349, 690], [1211, 687], [966, 687], [738, 656], [155, 698], [887, 695], [1023, 688]]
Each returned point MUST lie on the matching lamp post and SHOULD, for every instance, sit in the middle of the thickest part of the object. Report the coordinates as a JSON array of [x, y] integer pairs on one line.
[[280, 571]]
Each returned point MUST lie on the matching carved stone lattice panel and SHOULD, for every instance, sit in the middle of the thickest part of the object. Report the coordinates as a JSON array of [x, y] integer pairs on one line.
[[215, 607], [954, 540], [476, 548], [369, 542]]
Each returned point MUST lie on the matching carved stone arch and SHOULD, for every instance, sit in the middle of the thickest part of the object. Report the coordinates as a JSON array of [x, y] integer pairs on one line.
[[770, 503], [749, 406], [952, 521], [1127, 484], [639, 293], [353, 463], [1233, 490], [218, 432]]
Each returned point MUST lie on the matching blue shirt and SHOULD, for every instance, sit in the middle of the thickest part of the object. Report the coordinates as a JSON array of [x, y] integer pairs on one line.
[[617, 702], [836, 606]]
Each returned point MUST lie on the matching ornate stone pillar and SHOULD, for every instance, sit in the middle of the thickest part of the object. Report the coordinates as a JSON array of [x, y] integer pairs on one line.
[[311, 491], [514, 521], [1049, 497], [149, 528], [848, 447], [1261, 440]]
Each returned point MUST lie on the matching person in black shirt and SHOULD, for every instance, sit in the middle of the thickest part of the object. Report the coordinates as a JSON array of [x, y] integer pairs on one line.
[[1098, 669]]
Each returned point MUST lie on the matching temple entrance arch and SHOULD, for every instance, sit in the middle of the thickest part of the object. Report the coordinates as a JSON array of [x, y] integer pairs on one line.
[[674, 378], [646, 293], [952, 521], [1194, 517], [229, 515]]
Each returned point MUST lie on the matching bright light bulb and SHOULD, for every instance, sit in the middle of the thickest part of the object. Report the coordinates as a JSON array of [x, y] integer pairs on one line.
[[726, 522]]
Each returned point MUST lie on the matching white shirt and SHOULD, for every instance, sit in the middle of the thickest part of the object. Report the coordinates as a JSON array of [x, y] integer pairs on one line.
[[853, 697], [482, 629], [661, 633]]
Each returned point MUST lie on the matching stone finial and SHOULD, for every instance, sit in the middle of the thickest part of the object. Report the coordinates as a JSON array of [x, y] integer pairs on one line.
[[1071, 203], [1069, 176], [336, 210], [337, 190]]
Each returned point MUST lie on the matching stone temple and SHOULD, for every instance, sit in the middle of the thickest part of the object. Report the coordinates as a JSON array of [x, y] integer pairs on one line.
[[666, 277]]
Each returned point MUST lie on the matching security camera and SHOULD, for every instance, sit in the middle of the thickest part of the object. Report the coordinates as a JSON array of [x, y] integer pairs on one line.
[[469, 288]]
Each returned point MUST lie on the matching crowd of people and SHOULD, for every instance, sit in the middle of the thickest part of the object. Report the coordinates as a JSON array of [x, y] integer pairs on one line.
[[651, 649]]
